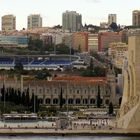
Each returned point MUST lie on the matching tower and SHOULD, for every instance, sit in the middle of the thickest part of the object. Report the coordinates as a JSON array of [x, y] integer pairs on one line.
[[111, 79], [128, 115]]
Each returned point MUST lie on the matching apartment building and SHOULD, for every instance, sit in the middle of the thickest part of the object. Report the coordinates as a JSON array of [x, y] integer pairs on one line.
[[34, 21], [8, 23], [71, 21]]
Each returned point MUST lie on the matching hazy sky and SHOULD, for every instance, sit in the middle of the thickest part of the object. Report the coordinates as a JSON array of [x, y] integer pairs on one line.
[[93, 11]]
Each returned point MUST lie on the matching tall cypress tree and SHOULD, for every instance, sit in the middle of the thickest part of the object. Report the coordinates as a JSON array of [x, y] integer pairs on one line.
[[91, 64], [11, 93], [111, 109], [61, 98], [98, 98], [32, 102], [19, 97], [36, 104], [15, 97], [2, 92], [27, 98], [7, 95], [23, 98]]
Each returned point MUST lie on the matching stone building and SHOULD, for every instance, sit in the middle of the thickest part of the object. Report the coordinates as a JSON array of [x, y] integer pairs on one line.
[[75, 90]]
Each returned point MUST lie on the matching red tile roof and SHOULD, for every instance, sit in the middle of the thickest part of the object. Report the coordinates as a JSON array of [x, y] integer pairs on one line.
[[82, 79]]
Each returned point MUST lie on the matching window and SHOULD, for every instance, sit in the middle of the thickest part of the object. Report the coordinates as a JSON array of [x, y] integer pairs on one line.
[[70, 101], [40, 100], [78, 92], [92, 101], [55, 91], [78, 101], [85, 101], [48, 101], [55, 101], [40, 90], [32, 90]]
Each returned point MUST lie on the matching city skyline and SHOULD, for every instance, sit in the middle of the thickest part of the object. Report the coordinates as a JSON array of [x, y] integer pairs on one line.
[[92, 11]]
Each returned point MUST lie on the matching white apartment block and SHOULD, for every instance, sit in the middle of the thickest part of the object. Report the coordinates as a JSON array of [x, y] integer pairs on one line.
[[34, 21], [112, 18], [8, 23]]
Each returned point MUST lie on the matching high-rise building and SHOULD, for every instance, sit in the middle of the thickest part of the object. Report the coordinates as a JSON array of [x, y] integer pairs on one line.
[[136, 18], [112, 18], [71, 21], [34, 21], [8, 23]]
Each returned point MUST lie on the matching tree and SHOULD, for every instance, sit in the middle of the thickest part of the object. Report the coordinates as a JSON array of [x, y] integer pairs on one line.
[[111, 109], [79, 48], [41, 75], [61, 98], [18, 67], [35, 44], [99, 71], [98, 98], [36, 104], [27, 98], [23, 98], [32, 102], [19, 97], [2, 93], [113, 26], [15, 97], [91, 64]]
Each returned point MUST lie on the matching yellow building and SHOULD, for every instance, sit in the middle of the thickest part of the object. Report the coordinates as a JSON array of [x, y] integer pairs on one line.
[[80, 41], [117, 51]]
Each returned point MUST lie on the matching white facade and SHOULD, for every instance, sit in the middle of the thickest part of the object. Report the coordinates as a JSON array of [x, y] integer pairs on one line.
[[8, 23], [112, 18], [34, 21], [71, 21], [92, 42], [136, 18]]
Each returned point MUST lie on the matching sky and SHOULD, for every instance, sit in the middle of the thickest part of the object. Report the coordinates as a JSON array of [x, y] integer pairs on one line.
[[93, 11]]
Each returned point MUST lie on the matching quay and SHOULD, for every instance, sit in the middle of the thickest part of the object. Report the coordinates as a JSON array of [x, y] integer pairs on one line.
[[66, 132]]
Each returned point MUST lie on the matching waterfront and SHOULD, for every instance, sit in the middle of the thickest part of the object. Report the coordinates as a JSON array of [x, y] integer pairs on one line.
[[68, 138]]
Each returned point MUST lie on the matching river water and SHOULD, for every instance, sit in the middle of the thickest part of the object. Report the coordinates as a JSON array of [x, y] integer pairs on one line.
[[67, 138]]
